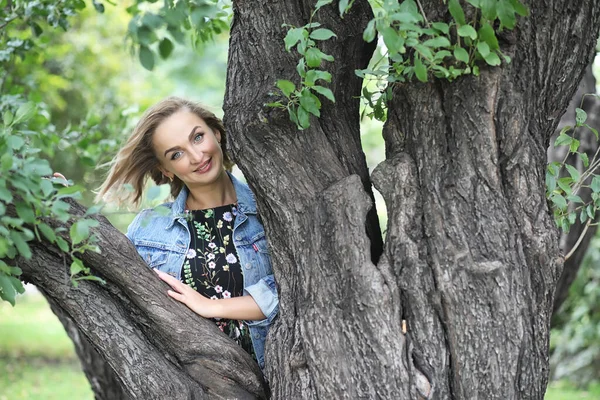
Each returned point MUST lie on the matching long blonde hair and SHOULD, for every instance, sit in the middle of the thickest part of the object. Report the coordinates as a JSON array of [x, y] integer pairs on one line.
[[137, 160]]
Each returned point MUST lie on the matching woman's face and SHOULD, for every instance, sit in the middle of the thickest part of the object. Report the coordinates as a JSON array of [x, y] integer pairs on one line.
[[187, 148]]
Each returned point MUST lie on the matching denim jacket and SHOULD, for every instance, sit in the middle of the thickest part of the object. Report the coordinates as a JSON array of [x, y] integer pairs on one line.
[[162, 239]]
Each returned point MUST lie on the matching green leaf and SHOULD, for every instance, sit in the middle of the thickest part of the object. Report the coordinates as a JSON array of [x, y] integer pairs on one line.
[[559, 201], [393, 41], [24, 112], [439, 41], [7, 291], [6, 161], [322, 34], [580, 116], [25, 212], [286, 87], [20, 244], [90, 278], [322, 3], [483, 48], [313, 58], [442, 27], [314, 75], [301, 68], [487, 34], [325, 92], [293, 115], [461, 55], [93, 210], [146, 58], [591, 211], [594, 131], [506, 14], [369, 33], [60, 209], [310, 103], [456, 11], [492, 59], [303, 118], [582, 216], [596, 184], [165, 48], [5, 195], [62, 244], [584, 159], [467, 31], [47, 232], [573, 172], [574, 146], [15, 142], [293, 36], [7, 118], [575, 199], [76, 266], [520, 9], [563, 140], [420, 70], [550, 182], [488, 9], [343, 6]]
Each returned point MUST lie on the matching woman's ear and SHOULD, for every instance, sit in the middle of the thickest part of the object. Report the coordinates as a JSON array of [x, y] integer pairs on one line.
[[218, 135], [165, 173]]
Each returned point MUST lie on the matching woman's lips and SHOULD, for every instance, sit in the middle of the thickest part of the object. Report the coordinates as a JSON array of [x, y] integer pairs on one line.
[[204, 167]]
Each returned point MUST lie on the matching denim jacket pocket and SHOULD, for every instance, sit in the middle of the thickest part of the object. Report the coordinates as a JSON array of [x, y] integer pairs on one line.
[[155, 257]]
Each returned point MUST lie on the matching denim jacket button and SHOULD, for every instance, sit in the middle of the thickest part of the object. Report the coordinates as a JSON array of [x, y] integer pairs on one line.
[[248, 266], [257, 335], [238, 237]]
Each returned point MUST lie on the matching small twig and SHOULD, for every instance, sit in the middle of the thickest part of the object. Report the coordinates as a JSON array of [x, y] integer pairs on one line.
[[423, 12], [587, 225]]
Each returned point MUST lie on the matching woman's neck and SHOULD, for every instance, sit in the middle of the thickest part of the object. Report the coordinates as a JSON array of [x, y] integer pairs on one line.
[[216, 194]]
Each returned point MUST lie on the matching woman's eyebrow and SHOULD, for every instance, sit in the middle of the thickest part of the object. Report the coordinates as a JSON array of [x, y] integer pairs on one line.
[[189, 138]]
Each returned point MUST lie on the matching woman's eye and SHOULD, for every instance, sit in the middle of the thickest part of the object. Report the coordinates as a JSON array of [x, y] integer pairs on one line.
[[198, 137], [176, 155]]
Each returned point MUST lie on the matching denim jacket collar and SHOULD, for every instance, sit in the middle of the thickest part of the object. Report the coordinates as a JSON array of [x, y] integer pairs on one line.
[[245, 199]]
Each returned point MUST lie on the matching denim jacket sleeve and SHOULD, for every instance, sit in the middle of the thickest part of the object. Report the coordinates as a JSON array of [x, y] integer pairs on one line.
[[264, 292]]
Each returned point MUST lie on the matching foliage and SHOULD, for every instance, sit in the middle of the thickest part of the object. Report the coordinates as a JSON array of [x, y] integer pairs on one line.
[[415, 46], [304, 101], [27, 185], [155, 29], [563, 181], [575, 343]]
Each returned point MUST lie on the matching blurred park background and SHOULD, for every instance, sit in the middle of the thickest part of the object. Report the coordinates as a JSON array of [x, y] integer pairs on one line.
[[90, 88]]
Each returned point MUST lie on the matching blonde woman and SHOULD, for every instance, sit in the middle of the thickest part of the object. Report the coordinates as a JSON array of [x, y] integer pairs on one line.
[[211, 246]]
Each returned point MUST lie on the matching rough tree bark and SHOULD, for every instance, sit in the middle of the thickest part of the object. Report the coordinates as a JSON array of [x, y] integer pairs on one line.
[[471, 258]]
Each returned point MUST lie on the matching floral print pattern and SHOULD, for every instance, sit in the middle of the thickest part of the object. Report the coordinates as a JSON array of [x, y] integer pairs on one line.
[[212, 267]]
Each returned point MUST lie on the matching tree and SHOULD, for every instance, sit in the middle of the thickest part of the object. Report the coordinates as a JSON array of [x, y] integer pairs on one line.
[[471, 258]]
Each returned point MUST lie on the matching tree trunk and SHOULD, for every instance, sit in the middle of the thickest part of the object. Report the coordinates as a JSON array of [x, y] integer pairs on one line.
[[157, 347], [102, 378], [471, 258]]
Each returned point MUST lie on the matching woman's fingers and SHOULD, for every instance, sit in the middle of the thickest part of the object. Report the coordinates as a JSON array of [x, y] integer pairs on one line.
[[173, 282], [177, 296]]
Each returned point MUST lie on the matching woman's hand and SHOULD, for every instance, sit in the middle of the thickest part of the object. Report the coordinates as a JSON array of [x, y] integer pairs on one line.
[[181, 292]]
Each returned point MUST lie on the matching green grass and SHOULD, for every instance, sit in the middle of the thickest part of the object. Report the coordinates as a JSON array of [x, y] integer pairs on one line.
[[563, 390], [38, 361], [37, 358]]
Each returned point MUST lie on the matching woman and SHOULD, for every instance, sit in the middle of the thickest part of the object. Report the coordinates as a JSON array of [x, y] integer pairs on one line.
[[208, 244]]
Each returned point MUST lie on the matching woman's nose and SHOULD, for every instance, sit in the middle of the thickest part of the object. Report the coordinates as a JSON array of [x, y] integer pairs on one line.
[[196, 156]]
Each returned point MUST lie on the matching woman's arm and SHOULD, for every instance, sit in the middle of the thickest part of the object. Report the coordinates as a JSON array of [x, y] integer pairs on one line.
[[238, 308]]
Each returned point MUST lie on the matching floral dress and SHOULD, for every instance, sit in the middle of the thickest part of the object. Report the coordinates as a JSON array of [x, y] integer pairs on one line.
[[212, 267]]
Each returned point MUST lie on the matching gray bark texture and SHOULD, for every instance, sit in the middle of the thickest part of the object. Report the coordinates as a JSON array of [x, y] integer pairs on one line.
[[471, 258]]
